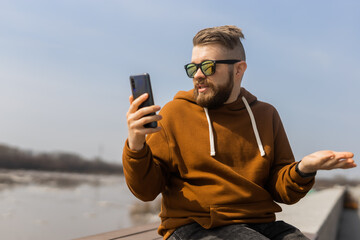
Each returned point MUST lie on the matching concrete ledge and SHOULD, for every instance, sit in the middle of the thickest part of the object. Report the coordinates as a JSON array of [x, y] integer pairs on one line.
[[349, 225], [143, 232], [316, 215]]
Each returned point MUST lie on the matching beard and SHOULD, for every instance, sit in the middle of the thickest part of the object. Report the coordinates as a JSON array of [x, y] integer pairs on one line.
[[215, 95]]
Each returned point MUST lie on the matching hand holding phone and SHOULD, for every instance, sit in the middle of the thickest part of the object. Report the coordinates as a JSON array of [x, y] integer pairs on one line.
[[141, 117], [141, 84]]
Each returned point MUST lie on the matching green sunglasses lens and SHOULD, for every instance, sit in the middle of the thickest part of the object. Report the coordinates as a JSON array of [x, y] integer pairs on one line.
[[191, 70], [208, 68]]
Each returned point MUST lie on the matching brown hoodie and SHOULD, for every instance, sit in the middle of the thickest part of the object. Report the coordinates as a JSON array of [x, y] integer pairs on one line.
[[229, 171]]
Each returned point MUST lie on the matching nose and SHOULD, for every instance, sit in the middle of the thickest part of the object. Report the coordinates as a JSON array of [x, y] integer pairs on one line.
[[199, 74]]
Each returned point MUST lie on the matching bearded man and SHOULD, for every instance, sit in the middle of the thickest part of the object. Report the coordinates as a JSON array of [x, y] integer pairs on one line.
[[220, 157]]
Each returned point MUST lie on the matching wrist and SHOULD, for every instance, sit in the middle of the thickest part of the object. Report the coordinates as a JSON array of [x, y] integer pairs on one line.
[[136, 147], [304, 167], [304, 172]]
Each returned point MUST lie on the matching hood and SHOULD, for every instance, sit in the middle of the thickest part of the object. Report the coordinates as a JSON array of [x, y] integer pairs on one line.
[[243, 101]]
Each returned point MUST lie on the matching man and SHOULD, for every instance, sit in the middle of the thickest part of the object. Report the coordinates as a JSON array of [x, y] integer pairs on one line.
[[220, 158]]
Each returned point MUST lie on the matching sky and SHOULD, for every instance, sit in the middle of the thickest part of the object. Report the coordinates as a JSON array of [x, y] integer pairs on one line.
[[65, 66]]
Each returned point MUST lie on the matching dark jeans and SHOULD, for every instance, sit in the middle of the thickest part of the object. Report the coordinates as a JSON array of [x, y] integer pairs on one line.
[[278, 230]]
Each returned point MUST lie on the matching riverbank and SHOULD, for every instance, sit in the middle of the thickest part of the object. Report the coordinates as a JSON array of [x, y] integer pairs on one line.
[[15, 158], [13, 178]]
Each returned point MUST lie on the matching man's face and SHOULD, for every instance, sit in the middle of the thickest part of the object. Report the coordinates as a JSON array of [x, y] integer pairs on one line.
[[212, 91]]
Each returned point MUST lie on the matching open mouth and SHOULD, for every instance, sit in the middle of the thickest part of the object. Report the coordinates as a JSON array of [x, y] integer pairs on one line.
[[202, 88]]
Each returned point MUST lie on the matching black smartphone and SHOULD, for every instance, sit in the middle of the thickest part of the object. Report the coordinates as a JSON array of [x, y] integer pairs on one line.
[[141, 84]]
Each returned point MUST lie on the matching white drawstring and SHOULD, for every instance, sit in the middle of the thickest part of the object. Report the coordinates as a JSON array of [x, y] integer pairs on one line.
[[253, 123], [211, 134]]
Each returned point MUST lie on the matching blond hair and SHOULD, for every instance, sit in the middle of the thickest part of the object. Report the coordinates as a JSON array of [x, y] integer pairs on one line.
[[228, 36]]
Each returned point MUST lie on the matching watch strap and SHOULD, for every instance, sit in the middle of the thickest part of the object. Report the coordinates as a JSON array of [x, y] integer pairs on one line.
[[302, 174]]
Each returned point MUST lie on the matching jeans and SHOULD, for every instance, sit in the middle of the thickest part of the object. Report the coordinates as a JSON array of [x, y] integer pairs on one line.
[[278, 230]]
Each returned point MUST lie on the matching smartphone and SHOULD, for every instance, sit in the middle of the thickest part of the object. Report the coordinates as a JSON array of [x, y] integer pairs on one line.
[[141, 84]]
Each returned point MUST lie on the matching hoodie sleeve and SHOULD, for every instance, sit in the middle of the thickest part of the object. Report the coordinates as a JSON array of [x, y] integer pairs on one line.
[[285, 184], [145, 174]]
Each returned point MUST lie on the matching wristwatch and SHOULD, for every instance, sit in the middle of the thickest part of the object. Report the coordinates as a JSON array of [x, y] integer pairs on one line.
[[302, 174]]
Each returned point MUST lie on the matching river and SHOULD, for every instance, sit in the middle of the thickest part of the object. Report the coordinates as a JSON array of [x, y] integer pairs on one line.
[[46, 205]]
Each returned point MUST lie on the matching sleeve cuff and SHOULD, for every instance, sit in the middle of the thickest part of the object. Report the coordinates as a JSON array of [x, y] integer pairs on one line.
[[136, 154]]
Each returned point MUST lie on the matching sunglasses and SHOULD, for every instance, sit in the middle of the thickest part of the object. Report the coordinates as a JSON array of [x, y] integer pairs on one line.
[[207, 67]]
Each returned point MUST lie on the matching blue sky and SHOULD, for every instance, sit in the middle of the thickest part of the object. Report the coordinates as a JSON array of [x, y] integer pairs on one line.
[[64, 68]]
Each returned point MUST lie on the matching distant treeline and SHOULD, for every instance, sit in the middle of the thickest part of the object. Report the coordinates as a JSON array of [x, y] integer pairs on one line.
[[14, 158]]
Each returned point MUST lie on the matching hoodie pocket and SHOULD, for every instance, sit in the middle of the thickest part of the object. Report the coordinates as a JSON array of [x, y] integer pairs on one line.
[[248, 212]]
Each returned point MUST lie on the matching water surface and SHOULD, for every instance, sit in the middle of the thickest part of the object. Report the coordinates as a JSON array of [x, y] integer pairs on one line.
[[36, 205]]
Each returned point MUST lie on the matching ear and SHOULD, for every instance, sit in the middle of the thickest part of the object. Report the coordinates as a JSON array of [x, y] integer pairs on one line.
[[240, 68]]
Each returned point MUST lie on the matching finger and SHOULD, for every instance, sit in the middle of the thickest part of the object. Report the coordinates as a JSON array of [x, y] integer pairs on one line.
[[153, 130], [145, 131], [345, 164], [137, 121], [153, 118], [134, 106], [339, 163], [343, 155], [349, 165], [131, 99], [148, 119], [145, 111], [331, 158], [336, 160]]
